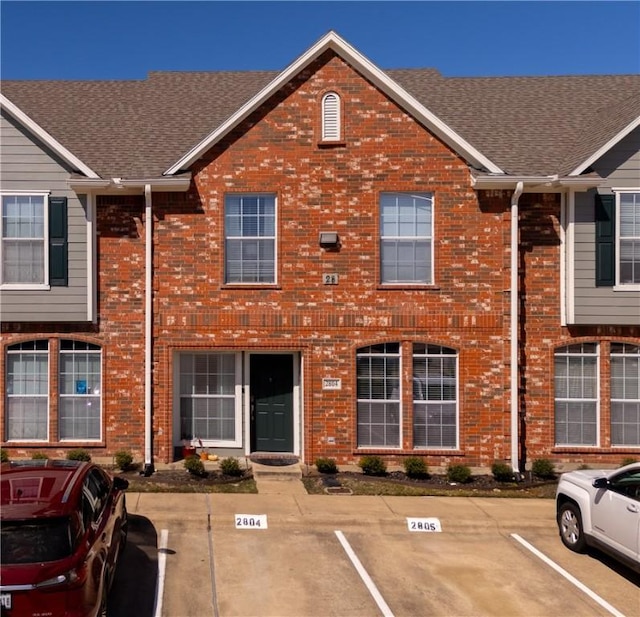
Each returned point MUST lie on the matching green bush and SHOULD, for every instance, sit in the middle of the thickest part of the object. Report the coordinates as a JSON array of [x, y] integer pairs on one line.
[[39, 456], [627, 460], [543, 468], [78, 455], [4, 456], [230, 467], [123, 459], [194, 465], [372, 465], [326, 465], [461, 474], [415, 467], [502, 472]]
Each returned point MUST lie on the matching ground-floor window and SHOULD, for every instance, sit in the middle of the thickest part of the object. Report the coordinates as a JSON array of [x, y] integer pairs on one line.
[[435, 396], [209, 392], [378, 379], [625, 394], [431, 405], [36, 394], [578, 394], [27, 401]]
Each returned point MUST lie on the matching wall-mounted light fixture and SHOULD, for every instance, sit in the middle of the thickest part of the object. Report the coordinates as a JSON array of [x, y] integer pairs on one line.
[[329, 239]]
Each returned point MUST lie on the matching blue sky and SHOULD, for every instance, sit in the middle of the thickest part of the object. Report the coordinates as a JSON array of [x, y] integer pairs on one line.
[[126, 40]]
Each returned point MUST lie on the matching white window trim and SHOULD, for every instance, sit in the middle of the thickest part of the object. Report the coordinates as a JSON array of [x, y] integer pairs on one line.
[[47, 396], [61, 395], [597, 400], [432, 280], [275, 244], [210, 443], [336, 134], [618, 285], [620, 400], [28, 286]]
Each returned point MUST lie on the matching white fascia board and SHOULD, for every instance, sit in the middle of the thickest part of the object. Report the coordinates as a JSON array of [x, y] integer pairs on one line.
[[606, 147], [534, 183], [167, 184], [367, 68], [45, 137]]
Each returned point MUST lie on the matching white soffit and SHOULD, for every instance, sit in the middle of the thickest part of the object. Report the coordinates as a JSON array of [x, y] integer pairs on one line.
[[363, 65], [48, 139]]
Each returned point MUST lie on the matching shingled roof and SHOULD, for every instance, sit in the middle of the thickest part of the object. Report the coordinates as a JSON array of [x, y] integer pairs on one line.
[[138, 129]]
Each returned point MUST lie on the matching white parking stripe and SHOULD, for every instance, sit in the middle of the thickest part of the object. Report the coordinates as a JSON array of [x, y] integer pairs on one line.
[[162, 568], [594, 596], [366, 579]]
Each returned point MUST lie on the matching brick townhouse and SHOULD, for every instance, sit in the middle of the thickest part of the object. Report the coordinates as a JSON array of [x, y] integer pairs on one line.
[[331, 260]]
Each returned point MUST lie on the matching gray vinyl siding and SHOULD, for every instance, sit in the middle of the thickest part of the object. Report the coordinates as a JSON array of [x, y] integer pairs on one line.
[[28, 165], [602, 305]]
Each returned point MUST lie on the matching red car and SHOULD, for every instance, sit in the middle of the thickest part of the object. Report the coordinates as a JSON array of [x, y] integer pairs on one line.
[[64, 524]]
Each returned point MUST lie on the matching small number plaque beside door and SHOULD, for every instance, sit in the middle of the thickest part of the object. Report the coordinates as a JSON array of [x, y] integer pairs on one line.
[[251, 521], [331, 383], [330, 278]]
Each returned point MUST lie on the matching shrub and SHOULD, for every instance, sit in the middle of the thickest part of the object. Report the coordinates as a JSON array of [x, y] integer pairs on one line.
[[4, 456], [415, 467], [194, 465], [460, 474], [326, 465], [230, 467], [627, 460], [372, 465], [543, 468], [39, 456], [584, 466], [502, 472], [123, 459], [78, 455]]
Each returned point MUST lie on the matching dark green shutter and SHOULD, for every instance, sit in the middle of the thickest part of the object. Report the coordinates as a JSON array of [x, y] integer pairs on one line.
[[58, 252], [605, 240]]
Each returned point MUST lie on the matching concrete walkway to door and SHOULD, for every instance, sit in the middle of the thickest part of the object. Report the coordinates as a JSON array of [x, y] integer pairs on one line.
[[278, 480]]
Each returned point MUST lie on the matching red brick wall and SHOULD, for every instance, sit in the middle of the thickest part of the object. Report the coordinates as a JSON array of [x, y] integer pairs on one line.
[[337, 188]]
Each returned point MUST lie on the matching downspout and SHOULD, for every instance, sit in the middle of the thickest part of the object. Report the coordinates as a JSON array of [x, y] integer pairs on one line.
[[148, 334], [515, 398]]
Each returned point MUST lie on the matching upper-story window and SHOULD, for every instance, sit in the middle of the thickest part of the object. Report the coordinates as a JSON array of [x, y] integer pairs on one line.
[[33, 240], [629, 239], [331, 129], [406, 238], [250, 238], [617, 219]]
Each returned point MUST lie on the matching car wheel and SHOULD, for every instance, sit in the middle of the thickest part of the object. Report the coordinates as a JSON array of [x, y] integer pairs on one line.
[[570, 527]]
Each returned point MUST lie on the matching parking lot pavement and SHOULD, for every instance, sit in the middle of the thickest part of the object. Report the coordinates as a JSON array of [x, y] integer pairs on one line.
[[314, 555]]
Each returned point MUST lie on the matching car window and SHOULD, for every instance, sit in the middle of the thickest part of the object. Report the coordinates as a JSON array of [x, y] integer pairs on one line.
[[35, 541], [627, 483]]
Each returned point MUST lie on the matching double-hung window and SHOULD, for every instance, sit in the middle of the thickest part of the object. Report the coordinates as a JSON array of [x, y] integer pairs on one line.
[[250, 238], [435, 395], [80, 388], [378, 392], [23, 244], [629, 239], [406, 238], [576, 395], [27, 400], [210, 395], [625, 394]]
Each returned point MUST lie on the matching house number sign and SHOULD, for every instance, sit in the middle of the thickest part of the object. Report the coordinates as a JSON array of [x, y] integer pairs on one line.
[[330, 278], [331, 383], [251, 521]]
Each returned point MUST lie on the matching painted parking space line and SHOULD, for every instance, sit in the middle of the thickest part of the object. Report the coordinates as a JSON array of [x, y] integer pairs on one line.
[[366, 579], [581, 586], [162, 569]]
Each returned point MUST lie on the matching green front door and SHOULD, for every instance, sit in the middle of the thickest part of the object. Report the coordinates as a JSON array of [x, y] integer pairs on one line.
[[271, 383]]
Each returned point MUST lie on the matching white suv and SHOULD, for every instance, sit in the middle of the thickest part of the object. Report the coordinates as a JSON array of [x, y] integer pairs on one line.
[[601, 509]]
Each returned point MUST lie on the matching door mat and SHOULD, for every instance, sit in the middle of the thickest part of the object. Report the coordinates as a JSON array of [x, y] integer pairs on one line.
[[274, 461]]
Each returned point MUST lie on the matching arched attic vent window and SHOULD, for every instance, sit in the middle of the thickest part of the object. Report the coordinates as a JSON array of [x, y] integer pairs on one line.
[[331, 117]]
